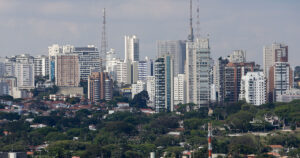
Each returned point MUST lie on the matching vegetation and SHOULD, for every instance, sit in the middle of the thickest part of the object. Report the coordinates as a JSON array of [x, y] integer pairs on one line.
[[125, 134]]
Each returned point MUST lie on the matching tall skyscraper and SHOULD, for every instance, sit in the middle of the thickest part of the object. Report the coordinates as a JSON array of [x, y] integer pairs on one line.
[[88, 60], [67, 72], [253, 88], [100, 87], [280, 80], [179, 89], [177, 49], [132, 52], [197, 72], [277, 52], [219, 78], [164, 83]]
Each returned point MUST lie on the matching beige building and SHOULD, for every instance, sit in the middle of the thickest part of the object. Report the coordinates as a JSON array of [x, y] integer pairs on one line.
[[67, 71]]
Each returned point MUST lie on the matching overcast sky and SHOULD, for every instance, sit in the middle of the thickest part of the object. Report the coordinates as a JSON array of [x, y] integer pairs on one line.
[[30, 26]]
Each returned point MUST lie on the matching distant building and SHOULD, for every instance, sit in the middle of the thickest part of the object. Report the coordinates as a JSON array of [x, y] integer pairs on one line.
[[297, 77], [280, 80], [253, 88], [145, 68], [41, 65], [219, 78], [179, 89], [197, 72], [276, 52], [132, 52], [289, 95], [24, 72], [137, 87], [178, 50], [150, 87], [67, 72], [100, 87], [7, 85], [164, 83], [89, 60], [238, 56], [233, 77]]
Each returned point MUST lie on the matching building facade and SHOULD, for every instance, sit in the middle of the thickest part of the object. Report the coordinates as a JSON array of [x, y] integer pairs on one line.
[[100, 87], [179, 89], [132, 52], [89, 60], [41, 65], [150, 87], [177, 49], [197, 73], [233, 76], [164, 84], [67, 72], [253, 88], [137, 87], [280, 80]]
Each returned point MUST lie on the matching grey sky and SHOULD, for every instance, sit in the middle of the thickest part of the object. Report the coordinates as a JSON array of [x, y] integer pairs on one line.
[[30, 26]]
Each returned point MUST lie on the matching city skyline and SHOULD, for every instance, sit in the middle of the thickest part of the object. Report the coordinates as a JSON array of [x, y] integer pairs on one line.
[[33, 26]]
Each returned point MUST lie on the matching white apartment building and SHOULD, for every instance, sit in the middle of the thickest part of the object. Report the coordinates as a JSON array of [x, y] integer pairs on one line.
[[41, 65], [138, 87], [253, 88], [179, 89], [150, 87], [145, 68], [24, 73]]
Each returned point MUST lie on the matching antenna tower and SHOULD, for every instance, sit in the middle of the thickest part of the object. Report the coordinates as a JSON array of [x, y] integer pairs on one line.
[[103, 42], [198, 22], [209, 135], [191, 35]]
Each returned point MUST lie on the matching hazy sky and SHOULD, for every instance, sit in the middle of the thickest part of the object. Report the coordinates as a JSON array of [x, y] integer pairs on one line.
[[30, 26]]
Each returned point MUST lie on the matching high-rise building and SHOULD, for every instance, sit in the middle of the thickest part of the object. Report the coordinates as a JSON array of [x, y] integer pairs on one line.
[[289, 95], [41, 65], [145, 68], [122, 71], [219, 78], [238, 56], [88, 60], [132, 52], [24, 72], [253, 88], [2, 69], [137, 87], [233, 76], [277, 52], [150, 87], [197, 72], [67, 72], [280, 80], [100, 87], [164, 83], [297, 77], [177, 49], [179, 89], [53, 50]]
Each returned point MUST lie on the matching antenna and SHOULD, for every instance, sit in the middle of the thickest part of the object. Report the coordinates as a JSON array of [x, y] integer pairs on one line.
[[198, 22], [103, 41], [191, 35]]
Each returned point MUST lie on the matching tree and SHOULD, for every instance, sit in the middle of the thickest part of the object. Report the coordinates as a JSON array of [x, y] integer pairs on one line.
[[140, 100]]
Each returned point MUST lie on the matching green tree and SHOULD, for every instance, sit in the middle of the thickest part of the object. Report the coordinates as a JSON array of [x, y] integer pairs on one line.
[[140, 100]]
